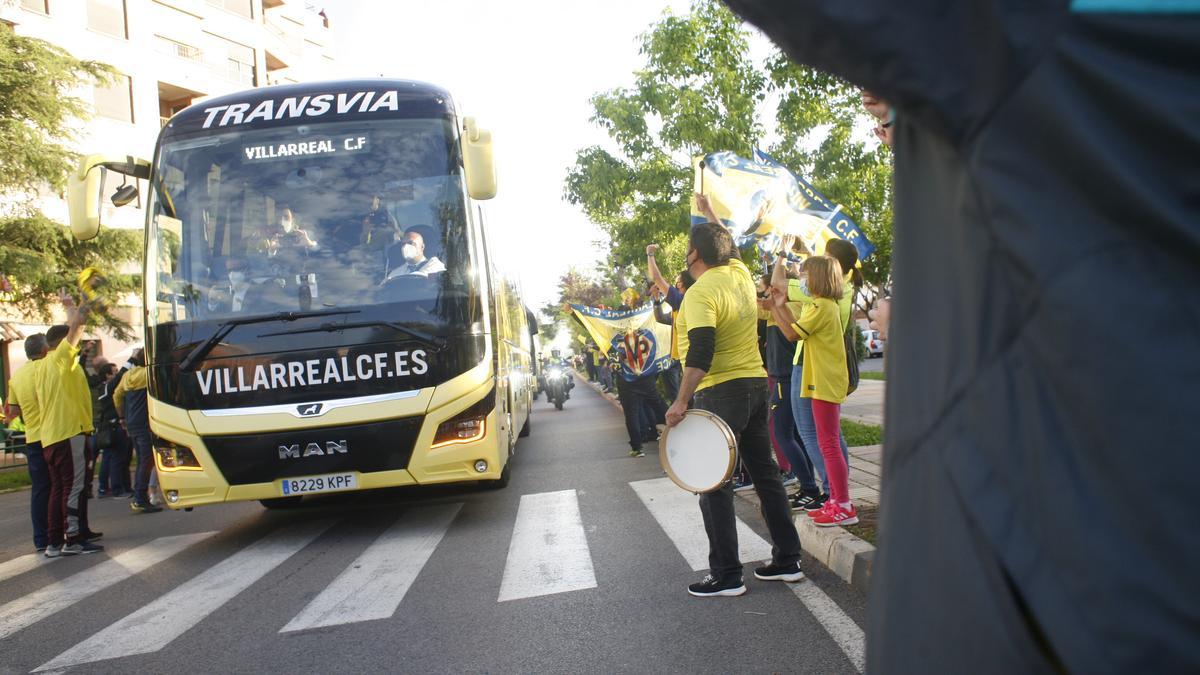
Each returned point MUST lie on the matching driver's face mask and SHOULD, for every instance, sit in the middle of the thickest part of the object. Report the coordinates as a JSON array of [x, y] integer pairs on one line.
[[410, 252]]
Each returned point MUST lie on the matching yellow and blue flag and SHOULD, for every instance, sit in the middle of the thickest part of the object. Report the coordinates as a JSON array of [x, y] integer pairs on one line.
[[760, 200], [633, 338]]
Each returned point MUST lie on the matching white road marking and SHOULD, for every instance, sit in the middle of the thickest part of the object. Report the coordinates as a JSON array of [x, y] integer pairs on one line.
[[548, 552], [375, 583], [23, 564], [32, 608], [157, 624], [840, 627], [678, 513]]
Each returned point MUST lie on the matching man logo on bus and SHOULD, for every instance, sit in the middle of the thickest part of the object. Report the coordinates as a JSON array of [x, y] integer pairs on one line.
[[637, 350], [309, 409], [294, 451]]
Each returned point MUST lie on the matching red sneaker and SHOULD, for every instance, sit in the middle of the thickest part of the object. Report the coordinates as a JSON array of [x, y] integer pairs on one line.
[[836, 515], [824, 507]]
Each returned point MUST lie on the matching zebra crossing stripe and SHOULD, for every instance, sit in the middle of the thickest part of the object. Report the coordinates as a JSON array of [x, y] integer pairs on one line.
[[157, 624], [375, 583], [548, 552], [678, 514], [23, 564], [30, 609]]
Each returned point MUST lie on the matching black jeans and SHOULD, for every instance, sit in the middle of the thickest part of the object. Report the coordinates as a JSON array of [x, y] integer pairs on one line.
[[742, 403], [636, 395]]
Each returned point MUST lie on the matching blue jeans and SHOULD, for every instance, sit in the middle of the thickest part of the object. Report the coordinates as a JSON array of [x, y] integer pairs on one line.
[[39, 496], [802, 409], [145, 463], [114, 470], [783, 423], [670, 379]]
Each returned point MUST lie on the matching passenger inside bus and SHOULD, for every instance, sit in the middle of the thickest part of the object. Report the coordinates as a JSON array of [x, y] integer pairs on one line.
[[376, 229]]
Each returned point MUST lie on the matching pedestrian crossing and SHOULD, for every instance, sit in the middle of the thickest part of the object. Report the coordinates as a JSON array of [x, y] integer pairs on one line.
[[548, 554]]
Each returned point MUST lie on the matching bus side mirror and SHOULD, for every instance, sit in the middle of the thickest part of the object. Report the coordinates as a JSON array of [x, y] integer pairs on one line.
[[477, 160], [85, 183], [83, 199]]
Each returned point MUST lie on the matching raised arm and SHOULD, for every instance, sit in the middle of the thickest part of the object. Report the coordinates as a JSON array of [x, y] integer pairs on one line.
[[656, 276]]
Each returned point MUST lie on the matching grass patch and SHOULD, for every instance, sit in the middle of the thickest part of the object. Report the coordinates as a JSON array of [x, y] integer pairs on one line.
[[872, 375], [857, 434], [865, 529], [13, 479]]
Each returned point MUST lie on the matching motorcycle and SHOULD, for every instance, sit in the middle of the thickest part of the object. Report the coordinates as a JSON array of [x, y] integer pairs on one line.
[[558, 385]]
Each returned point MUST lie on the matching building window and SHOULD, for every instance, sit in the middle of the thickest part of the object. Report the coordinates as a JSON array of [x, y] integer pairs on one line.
[[243, 8], [238, 64], [116, 101], [40, 6], [170, 47], [108, 17]]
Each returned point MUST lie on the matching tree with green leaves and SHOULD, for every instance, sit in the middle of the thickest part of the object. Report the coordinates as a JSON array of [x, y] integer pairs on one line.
[[698, 92], [38, 257], [701, 91]]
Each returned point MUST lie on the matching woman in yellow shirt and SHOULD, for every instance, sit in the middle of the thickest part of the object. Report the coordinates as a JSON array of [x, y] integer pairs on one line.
[[824, 377]]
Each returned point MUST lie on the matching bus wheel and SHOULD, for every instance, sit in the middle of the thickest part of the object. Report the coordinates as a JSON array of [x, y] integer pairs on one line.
[[502, 482], [281, 502], [525, 429]]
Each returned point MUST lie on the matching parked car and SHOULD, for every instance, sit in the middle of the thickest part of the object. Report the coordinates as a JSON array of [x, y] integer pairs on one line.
[[875, 344]]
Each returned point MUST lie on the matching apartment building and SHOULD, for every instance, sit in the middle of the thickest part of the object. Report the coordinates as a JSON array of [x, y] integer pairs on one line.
[[170, 53]]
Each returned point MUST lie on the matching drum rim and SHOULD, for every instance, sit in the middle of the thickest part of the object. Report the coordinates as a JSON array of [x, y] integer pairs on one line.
[[723, 426]]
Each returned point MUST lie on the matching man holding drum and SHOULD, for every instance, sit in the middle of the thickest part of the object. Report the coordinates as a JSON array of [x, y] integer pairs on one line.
[[717, 334]]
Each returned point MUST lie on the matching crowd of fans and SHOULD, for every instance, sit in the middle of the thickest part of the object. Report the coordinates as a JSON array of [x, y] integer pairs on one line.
[[803, 335], [82, 417]]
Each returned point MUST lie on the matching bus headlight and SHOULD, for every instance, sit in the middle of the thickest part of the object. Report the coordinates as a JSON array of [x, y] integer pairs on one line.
[[174, 457], [469, 425]]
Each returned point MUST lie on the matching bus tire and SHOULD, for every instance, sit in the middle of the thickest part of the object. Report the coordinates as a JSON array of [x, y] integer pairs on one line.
[[281, 502], [525, 429], [502, 482]]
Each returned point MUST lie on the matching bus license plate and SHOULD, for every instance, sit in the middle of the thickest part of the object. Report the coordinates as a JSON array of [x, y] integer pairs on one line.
[[333, 482]]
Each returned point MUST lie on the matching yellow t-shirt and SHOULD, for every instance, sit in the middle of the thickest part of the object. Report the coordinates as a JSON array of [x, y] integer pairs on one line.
[[63, 395], [820, 328], [797, 294], [723, 298], [22, 392]]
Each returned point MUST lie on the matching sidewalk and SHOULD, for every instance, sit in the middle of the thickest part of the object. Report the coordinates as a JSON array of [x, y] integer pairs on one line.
[[865, 405]]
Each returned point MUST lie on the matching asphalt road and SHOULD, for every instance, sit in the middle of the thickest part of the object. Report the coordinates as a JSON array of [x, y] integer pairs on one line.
[[580, 565]]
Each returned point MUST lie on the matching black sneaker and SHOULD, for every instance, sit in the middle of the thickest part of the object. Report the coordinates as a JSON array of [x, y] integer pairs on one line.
[[773, 572], [816, 503], [800, 501], [92, 536], [144, 508], [711, 586], [81, 548]]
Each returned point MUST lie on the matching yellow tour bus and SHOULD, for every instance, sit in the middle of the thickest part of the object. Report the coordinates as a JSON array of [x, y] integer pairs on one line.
[[323, 309]]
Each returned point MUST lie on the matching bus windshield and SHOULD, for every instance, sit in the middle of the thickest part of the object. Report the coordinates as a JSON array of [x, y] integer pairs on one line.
[[312, 217]]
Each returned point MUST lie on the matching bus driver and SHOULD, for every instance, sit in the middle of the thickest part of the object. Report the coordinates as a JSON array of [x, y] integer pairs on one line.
[[415, 263]]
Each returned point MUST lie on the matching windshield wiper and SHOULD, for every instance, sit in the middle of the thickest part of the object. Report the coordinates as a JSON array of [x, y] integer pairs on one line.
[[436, 341], [225, 328]]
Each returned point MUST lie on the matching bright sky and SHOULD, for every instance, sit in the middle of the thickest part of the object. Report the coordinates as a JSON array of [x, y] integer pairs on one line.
[[526, 70]]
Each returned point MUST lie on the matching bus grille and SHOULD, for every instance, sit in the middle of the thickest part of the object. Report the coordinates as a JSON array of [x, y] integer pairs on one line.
[[262, 458]]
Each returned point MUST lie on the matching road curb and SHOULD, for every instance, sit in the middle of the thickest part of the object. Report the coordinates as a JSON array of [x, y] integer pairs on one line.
[[843, 553]]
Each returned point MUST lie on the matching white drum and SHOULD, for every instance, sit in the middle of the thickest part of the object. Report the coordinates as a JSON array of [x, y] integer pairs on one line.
[[699, 453]]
